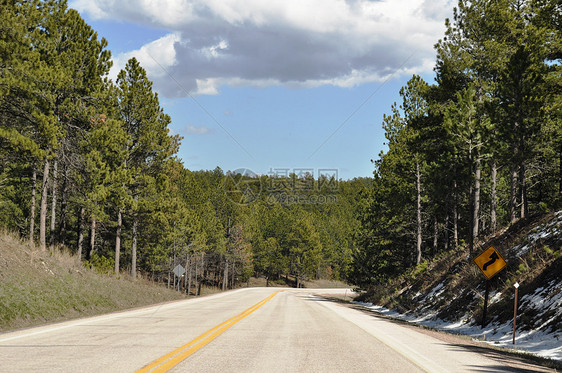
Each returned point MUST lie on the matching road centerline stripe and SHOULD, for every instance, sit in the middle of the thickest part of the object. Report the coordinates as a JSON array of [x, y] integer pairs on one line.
[[171, 359]]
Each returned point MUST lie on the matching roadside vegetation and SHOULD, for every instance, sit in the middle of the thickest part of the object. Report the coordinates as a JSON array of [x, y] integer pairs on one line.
[[448, 293], [45, 286], [451, 287]]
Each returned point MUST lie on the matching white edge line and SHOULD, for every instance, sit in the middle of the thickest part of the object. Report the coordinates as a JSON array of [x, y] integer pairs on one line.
[[407, 352]]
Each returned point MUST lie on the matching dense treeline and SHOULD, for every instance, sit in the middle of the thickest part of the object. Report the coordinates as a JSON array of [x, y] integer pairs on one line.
[[89, 163], [480, 149]]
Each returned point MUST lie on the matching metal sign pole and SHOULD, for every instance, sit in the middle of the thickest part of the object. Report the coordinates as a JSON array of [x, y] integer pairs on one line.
[[485, 303], [490, 263], [515, 311]]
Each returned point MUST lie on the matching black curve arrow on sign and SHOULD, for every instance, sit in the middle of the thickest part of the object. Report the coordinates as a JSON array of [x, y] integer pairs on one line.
[[492, 260]]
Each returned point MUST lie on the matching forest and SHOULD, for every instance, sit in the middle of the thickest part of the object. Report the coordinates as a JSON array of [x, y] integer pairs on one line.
[[477, 151], [89, 164]]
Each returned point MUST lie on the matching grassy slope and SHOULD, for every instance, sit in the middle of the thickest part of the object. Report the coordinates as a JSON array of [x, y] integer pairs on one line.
[[38, 287], [452, 287]]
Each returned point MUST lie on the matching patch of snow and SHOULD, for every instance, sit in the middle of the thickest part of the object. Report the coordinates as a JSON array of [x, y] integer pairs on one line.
[[520, 251], [496, 297], [541, 232], [538, 342], [545, 339], [436, 291]]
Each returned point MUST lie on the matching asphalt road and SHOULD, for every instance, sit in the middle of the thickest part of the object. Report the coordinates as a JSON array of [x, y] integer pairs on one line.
[[247, 330]]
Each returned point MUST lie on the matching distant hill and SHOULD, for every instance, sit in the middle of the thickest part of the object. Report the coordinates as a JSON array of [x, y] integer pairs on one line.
[[448, 293], [38, 287]]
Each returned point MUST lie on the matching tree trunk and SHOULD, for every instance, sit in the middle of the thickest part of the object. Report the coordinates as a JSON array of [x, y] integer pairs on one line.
[[43, 211], [92, 238], [455, 218], [63, 207], [134, 249], [513, 194], [476, 212], [54, 203], [493, 197], [135, 238], [32, 213], [185, 277], [118, 240], [447, 223], [203, 271], [523, 191], [560, 171], [189, 274], [169, 274], [471, 204], [418, 215], [232, 276], [435, 235], [81, 232], [196, 268], [225, 277], [202, 274]]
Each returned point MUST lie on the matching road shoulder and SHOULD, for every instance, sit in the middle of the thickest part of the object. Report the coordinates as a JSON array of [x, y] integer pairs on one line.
[[516, 360]]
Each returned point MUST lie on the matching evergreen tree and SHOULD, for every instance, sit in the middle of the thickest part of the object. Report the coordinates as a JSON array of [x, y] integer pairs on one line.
[[149, 146]]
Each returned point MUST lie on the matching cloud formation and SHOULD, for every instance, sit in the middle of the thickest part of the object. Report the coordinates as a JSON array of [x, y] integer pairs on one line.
[[193, 130], [296, 43]]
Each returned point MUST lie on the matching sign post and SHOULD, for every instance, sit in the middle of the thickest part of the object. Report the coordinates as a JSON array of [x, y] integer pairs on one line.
[[490, 263], [516, 285], [485, 303]]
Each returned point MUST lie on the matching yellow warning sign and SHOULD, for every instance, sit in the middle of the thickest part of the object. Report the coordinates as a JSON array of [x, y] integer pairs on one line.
[[490, 262]]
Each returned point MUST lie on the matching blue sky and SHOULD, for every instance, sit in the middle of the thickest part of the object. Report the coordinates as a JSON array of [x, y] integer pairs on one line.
[[275, 85]]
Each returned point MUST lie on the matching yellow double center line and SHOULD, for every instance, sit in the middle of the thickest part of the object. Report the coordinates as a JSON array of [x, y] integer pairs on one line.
[[173, 358]]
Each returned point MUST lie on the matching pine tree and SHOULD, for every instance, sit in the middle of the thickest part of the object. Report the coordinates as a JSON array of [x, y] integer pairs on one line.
[[149, 145]]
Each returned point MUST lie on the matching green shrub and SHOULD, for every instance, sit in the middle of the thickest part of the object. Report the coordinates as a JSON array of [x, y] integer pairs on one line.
[[100, 263]]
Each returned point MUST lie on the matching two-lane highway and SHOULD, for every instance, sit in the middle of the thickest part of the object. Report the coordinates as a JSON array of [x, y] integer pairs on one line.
[[247, 330]]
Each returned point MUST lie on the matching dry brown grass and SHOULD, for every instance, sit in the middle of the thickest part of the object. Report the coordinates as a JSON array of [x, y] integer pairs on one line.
[[44, 286]]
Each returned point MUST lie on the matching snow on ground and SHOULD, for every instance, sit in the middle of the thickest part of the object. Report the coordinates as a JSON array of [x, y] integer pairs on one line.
[[543, 343], [545, 339], [544, 231]]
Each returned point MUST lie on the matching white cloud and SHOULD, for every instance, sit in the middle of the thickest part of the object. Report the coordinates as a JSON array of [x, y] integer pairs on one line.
[[90, 7], [297, 43], [155, 57], [192, 130]]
